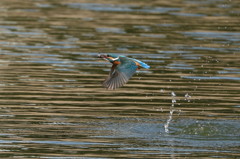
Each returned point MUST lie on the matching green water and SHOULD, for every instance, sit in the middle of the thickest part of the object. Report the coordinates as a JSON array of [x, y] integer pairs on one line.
[[52, 103]]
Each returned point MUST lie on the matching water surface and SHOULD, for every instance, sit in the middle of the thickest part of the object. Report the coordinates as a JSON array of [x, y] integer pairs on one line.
[[52, 103]]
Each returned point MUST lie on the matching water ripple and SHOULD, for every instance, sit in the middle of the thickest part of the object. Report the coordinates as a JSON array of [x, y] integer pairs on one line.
[[120, 8]]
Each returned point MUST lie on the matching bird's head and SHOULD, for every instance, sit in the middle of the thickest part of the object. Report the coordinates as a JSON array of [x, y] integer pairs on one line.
[[110, 57]]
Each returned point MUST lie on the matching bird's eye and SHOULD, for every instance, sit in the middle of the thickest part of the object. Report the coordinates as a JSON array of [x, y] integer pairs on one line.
[[107, 55]]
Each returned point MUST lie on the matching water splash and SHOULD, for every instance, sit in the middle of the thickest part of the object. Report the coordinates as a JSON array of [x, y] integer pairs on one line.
[[187, 97], [170, 113]]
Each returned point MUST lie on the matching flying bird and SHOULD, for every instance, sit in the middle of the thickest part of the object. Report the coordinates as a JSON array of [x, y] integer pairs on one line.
[[122, 69]]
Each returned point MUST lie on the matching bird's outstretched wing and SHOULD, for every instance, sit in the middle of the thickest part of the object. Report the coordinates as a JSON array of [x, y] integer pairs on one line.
[[142, 64], [120, 74]]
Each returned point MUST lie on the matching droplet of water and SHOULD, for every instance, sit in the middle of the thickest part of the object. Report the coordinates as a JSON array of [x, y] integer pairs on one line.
[[187, 97], [173, 94]]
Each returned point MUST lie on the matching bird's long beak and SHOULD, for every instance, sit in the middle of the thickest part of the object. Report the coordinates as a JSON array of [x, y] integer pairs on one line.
[[102, 56]]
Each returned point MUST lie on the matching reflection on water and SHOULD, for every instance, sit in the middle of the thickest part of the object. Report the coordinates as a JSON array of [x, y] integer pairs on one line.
[[52, 103]]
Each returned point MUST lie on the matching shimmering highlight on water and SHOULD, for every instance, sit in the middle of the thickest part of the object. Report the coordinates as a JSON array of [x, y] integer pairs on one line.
[[52, 102]]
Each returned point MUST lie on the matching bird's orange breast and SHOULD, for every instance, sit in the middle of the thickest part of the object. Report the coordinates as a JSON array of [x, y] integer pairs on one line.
[[116, 62]]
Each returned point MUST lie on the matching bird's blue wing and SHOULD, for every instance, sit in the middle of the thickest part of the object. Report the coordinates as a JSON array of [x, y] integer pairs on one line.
[[142, 64], [121, 73]]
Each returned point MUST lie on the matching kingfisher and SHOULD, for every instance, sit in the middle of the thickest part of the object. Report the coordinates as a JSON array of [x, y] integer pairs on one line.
[[122, 70]]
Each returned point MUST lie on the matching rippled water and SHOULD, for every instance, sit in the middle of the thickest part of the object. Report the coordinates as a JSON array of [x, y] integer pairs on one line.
[[53, 105]]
